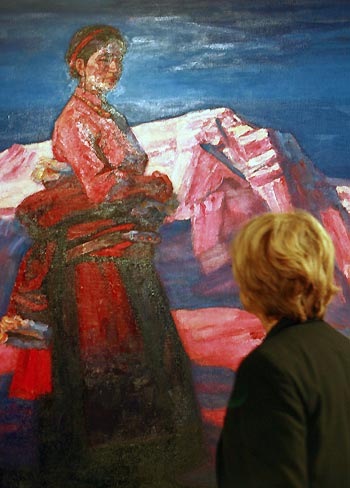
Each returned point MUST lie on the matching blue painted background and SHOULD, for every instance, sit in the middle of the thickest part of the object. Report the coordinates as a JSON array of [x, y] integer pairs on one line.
[[282, 63]]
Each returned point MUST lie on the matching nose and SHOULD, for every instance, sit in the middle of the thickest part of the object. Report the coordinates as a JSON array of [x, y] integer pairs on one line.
[[114, 65]]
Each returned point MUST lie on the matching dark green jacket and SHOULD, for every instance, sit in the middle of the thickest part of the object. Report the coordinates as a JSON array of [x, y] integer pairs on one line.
[[288, 418]]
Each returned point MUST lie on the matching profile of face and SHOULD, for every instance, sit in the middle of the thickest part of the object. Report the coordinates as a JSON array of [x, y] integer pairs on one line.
[[101, 72]]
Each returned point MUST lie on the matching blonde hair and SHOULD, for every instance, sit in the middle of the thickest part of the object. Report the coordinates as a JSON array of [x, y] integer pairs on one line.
[[284, 265]]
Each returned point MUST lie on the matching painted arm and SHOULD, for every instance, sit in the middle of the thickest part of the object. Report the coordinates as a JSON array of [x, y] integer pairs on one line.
[[76, 141], [109, 164], [135, 159]]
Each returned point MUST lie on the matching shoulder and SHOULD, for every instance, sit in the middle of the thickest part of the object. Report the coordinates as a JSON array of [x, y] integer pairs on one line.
[[262, 382], [78, 118], [282, 348], [300, 351], [260, 366], [309, 337], [71, 112]]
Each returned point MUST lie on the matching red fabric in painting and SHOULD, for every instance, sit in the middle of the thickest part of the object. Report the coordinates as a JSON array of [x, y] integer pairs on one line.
[[116, 250], [32, 272], [50, 206], [106, 320], [106, 326], [32, 373], [32, 376], [81, 134]]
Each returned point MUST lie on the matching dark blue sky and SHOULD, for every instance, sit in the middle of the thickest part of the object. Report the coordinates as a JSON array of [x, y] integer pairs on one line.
[[283, 64]]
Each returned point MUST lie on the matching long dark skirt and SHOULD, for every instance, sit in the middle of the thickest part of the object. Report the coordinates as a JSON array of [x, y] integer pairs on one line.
[[139, 405]]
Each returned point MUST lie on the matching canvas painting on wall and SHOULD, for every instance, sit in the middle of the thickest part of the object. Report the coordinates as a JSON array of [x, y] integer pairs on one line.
[[136, 139]]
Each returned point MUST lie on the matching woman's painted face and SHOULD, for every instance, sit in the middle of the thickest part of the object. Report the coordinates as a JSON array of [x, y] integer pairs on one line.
[[103, 69]]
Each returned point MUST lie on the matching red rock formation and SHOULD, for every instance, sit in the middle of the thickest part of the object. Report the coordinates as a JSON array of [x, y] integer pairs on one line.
[[225, 170], [197, 150]]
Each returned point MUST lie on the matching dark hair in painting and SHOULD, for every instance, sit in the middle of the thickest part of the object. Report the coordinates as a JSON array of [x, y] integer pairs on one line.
[[87, 40]]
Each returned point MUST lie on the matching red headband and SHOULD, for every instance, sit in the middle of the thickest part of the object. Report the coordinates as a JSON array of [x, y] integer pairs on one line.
[[83, 43]]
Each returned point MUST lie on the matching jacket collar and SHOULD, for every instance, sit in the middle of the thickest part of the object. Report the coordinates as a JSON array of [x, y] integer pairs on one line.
[[284, 323]]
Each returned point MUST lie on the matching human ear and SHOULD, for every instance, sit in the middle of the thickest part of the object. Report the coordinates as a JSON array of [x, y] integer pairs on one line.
[[80, 66]]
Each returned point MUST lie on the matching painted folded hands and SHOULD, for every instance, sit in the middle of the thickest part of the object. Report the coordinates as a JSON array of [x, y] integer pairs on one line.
[[156, 186]]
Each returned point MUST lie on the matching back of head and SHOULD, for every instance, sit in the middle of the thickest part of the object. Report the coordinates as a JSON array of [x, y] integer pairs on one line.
[[284, 265]]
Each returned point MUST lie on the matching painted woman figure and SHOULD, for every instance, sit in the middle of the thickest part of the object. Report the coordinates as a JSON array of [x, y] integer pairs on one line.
[[119, 368]]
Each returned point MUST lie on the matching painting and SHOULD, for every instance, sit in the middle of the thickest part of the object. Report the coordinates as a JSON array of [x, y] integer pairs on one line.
[[136, 139]]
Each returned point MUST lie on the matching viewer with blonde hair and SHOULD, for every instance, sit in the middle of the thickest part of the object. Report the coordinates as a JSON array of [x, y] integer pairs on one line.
[[288, 419]]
